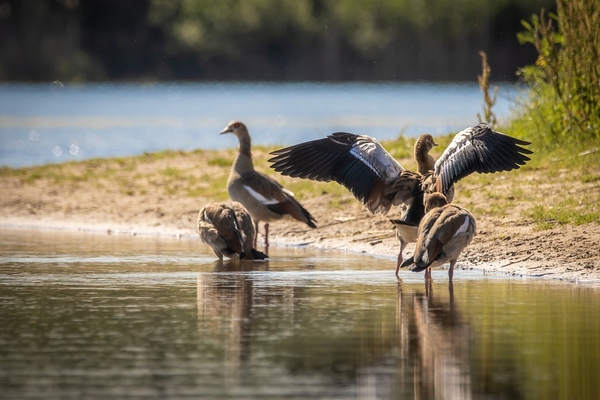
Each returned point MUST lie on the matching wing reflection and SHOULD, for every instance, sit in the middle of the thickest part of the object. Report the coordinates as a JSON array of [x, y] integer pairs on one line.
[[435, 344], [261, 328]]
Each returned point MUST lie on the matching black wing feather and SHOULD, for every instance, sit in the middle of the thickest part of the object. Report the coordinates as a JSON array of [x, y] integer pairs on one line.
[[328, 159]]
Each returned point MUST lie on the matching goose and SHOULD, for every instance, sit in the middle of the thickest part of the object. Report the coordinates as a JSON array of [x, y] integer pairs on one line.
[[406, 227], [264, 198], [445, 230], [227, 228], [374, 177]]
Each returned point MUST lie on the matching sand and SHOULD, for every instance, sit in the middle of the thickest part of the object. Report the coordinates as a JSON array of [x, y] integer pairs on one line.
[[506, 243]]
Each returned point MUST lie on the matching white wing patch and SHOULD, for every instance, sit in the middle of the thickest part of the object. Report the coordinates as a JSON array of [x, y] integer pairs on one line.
[[237, 225], [460, 140], [207, 219], [464, 227], [259, 196], [374, 156], [288, 192], [361, 152]]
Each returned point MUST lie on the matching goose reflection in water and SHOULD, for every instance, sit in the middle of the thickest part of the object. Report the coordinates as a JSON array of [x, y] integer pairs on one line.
[[263, 329], [435, 343], [225, 300]]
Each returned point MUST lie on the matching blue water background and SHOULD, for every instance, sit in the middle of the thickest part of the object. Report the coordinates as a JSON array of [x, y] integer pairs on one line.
[[50, 123]]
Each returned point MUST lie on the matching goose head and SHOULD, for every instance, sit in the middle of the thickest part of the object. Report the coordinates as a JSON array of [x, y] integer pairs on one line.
[[425, 143], [237, 128], [435, 200]]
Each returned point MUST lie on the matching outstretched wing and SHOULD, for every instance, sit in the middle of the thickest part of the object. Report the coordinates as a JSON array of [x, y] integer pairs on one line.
[[479, 149], [358, 162]]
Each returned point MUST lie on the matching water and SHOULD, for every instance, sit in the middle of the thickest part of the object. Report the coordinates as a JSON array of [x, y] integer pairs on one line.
[[98, 316], [51, 123]]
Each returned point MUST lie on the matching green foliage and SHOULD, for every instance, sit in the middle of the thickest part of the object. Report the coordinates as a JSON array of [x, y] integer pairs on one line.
[[564, 100], [338, 40]]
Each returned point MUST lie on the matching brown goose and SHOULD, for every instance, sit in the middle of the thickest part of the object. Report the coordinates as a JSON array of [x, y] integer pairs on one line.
[[443, 233], [374, 177], [265, 199], [227, 228]]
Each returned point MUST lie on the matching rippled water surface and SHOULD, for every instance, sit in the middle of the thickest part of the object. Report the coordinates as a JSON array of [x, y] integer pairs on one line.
[[47, 123], [96, 316]]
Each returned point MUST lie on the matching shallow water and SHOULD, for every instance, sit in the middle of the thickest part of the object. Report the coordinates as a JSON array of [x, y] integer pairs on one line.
[[87, 315], [46, 123]]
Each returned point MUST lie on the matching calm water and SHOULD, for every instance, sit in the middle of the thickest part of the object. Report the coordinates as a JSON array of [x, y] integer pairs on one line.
[[99, 316], [49, 123]]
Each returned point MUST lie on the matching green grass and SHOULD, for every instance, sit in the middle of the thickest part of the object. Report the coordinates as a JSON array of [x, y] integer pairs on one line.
[[163, 172], [219, 161], [172, 172], [589, 178], [566, 212]]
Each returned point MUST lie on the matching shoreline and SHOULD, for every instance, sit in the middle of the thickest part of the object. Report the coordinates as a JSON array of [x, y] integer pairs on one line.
[[383, 247], [161, 194]]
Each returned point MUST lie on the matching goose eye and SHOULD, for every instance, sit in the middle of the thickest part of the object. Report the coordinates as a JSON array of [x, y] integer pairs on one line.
[[236, 125]]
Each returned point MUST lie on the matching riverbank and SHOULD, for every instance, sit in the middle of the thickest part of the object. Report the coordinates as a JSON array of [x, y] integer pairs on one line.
[[153, 195]]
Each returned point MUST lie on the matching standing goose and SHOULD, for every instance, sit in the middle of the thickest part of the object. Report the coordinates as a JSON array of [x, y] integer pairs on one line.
[[375, 178], [265, 199], [443, 233], [227, 228], [407, 226]]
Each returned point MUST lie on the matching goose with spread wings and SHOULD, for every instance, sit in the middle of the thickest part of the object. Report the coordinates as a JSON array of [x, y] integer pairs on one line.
[[374, 177]]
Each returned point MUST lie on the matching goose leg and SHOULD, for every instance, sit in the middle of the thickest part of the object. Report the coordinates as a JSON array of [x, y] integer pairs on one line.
[[400, 259], [428, 281], [256, 233], [451, 270], [428, 274], [267, 234]]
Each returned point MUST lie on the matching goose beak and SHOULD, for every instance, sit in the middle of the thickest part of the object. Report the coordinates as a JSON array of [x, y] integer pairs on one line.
[[227, 129], [435, 144]]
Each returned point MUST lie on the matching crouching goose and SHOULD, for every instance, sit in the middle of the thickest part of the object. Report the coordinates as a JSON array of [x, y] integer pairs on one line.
[[265, 199], [227, 228], [443, 233], [375, 178]]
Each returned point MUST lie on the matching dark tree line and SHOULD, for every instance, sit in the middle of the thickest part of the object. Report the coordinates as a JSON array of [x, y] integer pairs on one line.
[[273, 40]]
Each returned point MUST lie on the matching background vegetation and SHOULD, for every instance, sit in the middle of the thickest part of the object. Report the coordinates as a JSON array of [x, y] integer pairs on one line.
[[563, 107], [559, 113], [91, 40]]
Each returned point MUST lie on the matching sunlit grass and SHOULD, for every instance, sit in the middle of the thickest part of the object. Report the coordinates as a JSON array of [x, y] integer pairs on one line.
[[568, 211], [220, 161], [203, 174], [172, 172], [400, 148], [589, 178]]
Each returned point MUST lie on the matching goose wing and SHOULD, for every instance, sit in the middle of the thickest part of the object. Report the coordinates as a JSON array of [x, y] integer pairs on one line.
[[277, 198], [358, 162], [479, 149]]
